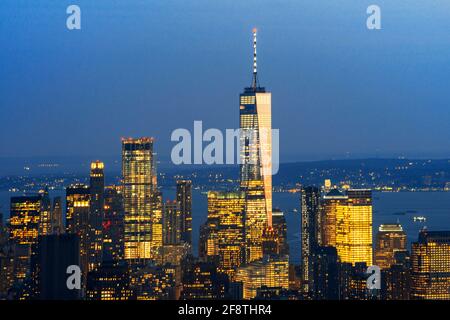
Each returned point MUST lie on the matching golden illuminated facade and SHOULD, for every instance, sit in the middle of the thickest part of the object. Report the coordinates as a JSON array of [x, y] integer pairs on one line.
[[157, 222], [256, 161], [332, 202], [390, 239], [226, 229], [430, 260], [25, 218], [139, 221], [271, 271], [24, 231], [354, 227]]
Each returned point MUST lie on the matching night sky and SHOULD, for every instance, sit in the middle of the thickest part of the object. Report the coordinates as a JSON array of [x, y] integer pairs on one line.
[[145, 68]]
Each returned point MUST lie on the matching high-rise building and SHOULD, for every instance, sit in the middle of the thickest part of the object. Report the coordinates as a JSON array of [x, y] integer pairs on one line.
[[332, 203], [137, 170], [157, 220], [45, 220], [310, 232], [77, 220], [113, 224], [354, 227], [172, 223], [184, 199], [270, 272], [430, 260], [256, 161], [6, 261], [279, 225], [325, 274], [353, 282], [25, 219], [55, 253], [97, 202], [24, 231], [390, 239], [396, 280], [57, 216], [225, 225]]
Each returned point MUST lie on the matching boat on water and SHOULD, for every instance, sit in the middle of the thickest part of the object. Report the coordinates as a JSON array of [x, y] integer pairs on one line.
[[419, 219]]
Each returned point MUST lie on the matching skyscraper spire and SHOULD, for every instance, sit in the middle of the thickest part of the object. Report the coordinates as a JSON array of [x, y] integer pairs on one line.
[[255, 68]]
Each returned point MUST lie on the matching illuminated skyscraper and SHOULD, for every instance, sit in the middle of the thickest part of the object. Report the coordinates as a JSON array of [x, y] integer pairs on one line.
[[77, 219], [310, 231], [24, 231], [389, 240], [256, 161], [137, 168], [271, 272], [225, 240], [157, 220], [184, 199], [430, 259], [97, 202], [333, 202], [25, 219], [354, 227]]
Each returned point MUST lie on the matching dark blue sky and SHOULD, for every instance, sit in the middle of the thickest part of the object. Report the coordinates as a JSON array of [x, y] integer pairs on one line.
[[148, 67]]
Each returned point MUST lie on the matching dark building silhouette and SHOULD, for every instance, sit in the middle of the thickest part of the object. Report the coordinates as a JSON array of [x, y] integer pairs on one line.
[[396, 280], [184, 199], [202, 281], [172, 221], [55, 253], [113, 225], [96, 212], [310, 226], [326, 274]]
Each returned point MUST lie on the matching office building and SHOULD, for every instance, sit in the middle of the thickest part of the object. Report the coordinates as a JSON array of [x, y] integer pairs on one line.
[[184, 199], [430, 262], [390, 239]]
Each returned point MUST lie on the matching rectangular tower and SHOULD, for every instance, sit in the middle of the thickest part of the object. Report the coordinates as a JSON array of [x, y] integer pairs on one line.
[[97, 188], [184, 199], [137, 195], [354, 228], [430, 259], [310, 226]]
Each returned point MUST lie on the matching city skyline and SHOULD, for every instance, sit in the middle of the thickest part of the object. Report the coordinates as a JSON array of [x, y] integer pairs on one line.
[[250, 230]]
